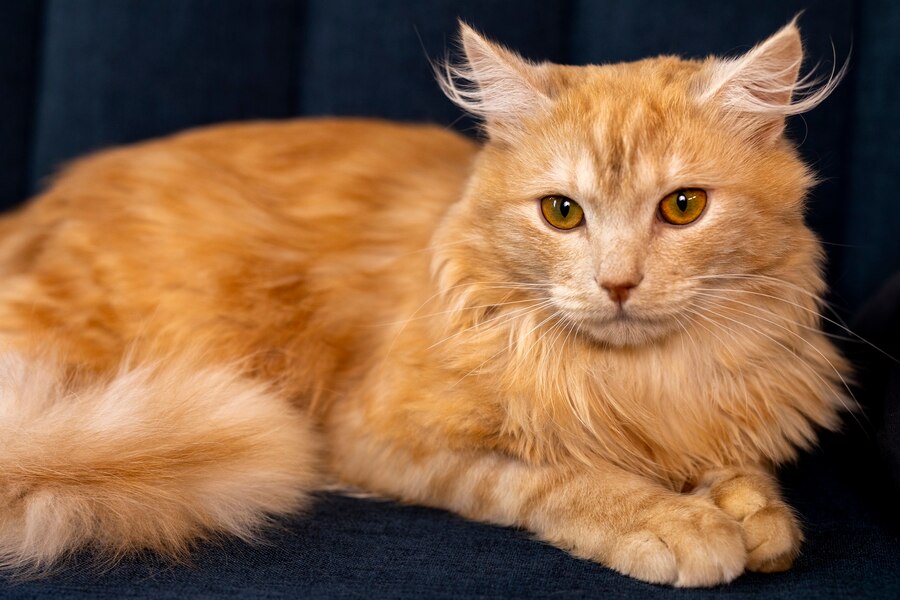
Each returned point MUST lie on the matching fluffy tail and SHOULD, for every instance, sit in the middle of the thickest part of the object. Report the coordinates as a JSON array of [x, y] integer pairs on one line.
[[153, 459]]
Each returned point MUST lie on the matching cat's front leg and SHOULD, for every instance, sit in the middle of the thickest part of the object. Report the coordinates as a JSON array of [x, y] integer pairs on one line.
[[641, 528], [604, 514], [752, 497]]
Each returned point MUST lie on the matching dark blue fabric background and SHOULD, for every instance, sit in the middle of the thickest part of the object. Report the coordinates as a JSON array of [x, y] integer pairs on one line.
[[77, 75]]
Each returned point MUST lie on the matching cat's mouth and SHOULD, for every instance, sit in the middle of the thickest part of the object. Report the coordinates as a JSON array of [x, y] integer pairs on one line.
[[626, 328], [623, 325], [623, 316], [626, 315]]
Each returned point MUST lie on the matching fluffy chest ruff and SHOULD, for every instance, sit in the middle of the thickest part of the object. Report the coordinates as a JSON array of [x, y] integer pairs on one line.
[[515, 377]]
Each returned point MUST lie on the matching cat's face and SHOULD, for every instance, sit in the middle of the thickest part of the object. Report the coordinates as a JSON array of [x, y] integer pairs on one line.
[[616, 141]]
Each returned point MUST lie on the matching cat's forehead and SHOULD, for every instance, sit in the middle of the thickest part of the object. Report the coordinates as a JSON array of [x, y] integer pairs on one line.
[[620, 128], [586, 174]]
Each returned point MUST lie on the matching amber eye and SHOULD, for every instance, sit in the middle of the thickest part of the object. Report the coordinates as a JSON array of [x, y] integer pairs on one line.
[[561, 212], [682, 206]]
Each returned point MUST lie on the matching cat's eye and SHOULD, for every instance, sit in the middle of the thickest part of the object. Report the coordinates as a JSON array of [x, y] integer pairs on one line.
[[682, 206], [561, 212]]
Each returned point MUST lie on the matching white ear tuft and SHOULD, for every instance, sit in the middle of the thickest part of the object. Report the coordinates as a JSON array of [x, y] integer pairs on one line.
[[763, 86], [495, 84]]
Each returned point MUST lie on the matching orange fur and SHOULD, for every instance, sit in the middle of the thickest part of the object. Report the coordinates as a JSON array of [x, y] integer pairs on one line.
[[217, 301]]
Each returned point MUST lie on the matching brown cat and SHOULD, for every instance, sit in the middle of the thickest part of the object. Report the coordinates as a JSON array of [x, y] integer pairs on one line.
[[602, 325]]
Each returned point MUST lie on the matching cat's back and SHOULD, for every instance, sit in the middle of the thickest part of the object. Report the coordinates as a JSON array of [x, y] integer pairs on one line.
[[284, 161], [334, 154], [259, 221], [328, 177]]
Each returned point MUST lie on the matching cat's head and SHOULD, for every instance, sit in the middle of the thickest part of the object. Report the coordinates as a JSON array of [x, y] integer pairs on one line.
[[626, 195]]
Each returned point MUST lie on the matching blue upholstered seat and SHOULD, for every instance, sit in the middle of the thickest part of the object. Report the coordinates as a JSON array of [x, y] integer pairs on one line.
[[80, 75]]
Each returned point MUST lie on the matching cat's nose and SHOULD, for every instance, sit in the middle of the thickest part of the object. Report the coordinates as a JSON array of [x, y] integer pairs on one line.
[[619, 291]]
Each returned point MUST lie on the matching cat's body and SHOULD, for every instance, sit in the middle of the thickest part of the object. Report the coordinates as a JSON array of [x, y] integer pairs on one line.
[[201, 329]]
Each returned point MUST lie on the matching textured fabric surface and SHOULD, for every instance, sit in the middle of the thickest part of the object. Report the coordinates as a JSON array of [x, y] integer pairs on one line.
[[879, 374], [871, 230], [19, 29], [77, 75]]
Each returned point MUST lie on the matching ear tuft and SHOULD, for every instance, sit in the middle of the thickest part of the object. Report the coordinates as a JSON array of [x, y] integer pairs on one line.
[[764, 86], [493, 83]]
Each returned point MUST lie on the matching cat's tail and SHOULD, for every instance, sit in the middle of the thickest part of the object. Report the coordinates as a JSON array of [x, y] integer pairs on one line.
[[154, 458]]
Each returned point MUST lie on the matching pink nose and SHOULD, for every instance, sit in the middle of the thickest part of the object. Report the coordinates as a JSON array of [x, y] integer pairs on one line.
[[619, 291]]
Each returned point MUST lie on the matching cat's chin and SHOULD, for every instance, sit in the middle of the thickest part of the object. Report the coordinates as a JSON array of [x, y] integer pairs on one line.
[[627, 331]]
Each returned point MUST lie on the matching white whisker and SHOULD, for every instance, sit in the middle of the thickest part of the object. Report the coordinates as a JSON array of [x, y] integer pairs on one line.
[[794, 353], [509, 317], [723, 294], [809, 310]]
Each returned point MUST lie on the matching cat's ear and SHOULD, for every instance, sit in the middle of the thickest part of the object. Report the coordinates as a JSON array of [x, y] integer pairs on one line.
[[494, 84], [762, 87]]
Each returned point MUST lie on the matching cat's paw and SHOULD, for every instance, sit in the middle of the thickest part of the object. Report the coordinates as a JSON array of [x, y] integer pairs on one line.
[[771, 531], [688, 543]]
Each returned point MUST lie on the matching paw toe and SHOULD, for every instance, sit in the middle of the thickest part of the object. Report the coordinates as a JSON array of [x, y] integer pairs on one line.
[[772, 538], [642, 554]]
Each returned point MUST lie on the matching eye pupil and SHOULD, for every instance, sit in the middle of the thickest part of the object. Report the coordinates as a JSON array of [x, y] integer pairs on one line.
[[564, 208], [682, 202]]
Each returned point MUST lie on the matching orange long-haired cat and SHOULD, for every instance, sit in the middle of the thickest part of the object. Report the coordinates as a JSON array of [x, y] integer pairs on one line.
[[601, 325]]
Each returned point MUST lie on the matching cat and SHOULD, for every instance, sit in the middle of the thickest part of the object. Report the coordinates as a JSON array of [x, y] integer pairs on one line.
[[601, 324]]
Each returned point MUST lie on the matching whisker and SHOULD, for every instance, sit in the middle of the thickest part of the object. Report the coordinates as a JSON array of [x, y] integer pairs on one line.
[[680, 324], [724, 328], [711, 292], [453, 310], [770, 279], [485, 285], [748, 403], [506, 348], [794, 333], [855, 335], [726, 346], [813, 371], [510, 316], [538, 340]]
